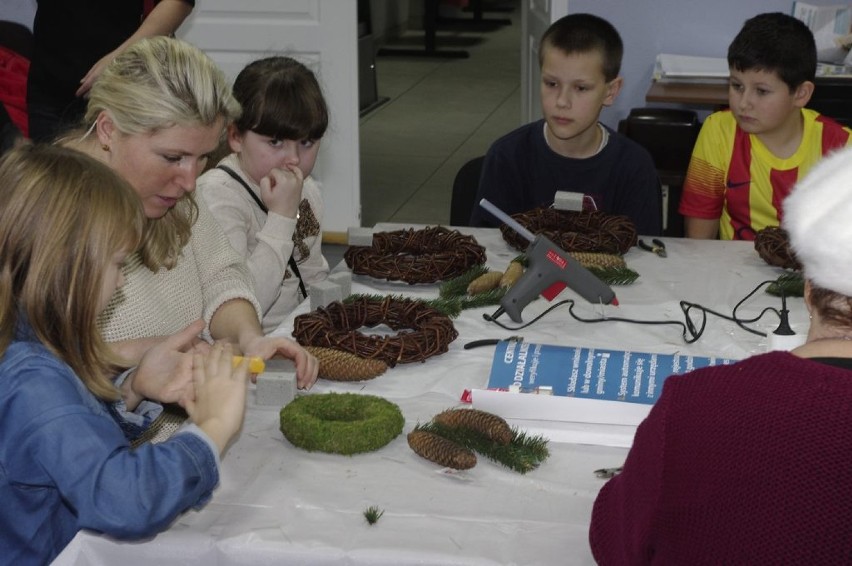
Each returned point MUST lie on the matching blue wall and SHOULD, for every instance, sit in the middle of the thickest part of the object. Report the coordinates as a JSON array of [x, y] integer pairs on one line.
[[682, 27]]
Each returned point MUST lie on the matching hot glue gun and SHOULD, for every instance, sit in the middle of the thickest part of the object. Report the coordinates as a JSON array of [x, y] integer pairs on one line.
[[549, 270]]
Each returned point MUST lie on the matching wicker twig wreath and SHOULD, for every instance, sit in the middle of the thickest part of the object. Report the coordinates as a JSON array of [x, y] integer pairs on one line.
[[335, 326], [340, 423], [773, 246], [575, 231], [416, 256]]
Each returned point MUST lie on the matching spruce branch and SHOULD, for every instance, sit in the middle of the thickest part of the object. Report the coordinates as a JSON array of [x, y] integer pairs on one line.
[[790, 284], [522, 454], [614, 275], [457, 286], [373, 514]]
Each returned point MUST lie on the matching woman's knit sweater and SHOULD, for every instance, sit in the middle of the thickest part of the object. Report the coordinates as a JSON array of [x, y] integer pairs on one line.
[[740, 464]]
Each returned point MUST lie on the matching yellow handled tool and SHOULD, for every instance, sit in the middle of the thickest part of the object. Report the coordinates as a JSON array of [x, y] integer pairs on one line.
[[256, 365]]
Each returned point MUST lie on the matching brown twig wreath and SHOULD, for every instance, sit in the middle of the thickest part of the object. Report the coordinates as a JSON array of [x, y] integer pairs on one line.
[[335, 326], [416, 256], [574, 231], [773, 246]]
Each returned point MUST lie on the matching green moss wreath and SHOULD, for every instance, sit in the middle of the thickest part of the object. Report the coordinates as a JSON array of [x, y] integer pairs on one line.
[[341, 423]]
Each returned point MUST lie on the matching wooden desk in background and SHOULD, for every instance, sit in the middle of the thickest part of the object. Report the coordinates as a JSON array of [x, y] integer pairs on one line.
[[712, 93], [832, 95]]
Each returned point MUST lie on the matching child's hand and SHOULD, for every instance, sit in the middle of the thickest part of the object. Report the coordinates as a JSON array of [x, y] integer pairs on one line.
[[281, 191], [220, 394], [165, 371], [307, 366]]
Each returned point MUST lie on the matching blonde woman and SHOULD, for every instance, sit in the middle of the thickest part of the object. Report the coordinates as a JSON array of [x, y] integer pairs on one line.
[[67, 223], [154, 115]]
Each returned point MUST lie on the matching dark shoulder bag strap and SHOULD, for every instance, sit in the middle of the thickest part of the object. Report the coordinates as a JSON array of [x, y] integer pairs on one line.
[[291, 262]]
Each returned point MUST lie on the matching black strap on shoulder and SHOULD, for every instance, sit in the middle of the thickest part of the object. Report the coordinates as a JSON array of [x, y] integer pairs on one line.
[[292, 262]]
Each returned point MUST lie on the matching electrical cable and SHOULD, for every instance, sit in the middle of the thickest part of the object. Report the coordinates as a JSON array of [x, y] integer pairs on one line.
[[690, 332]]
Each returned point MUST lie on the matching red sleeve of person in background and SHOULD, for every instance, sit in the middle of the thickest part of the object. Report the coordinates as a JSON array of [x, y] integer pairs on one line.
[[13, 87]]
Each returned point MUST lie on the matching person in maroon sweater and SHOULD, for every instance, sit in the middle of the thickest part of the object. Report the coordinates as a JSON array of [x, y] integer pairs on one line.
[[750, 463]]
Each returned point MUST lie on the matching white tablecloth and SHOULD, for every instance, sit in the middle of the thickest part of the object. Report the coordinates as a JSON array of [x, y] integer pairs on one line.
[[279, 504]]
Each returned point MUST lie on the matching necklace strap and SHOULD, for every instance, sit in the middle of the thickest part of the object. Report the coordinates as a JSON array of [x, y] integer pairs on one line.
[[291, 262]]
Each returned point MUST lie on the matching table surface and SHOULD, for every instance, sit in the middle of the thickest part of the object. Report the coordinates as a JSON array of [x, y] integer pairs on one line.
[[279, 504]]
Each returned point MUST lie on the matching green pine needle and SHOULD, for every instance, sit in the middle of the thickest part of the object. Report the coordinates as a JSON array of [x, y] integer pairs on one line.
[[614, 275], [522, 454], [457, 286], [450, 307], [453, 297], [485, 299], [790, 284], [373, 514]]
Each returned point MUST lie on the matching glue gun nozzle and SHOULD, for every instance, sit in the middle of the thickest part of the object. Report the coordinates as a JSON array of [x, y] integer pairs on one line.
[[497, 313]]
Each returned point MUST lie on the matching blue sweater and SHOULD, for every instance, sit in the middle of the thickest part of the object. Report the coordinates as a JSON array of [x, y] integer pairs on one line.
[[65, 464], [521, 173]]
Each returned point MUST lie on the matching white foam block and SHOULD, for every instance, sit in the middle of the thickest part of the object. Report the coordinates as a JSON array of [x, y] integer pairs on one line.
[[344, 280], [277, 384], [564, 200], [359, 236], [324, 293]]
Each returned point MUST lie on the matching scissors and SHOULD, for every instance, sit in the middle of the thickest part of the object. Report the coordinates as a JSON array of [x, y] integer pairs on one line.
[[657, 247]]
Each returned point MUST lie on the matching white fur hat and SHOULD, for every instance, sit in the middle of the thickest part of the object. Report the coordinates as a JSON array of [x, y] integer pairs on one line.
[[818, 219]]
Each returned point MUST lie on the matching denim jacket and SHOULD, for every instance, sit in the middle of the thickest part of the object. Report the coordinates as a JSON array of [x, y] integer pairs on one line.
[[66, 465]]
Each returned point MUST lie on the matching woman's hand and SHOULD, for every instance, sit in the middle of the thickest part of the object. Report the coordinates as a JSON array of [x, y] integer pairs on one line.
[[266, 347], [165, 371], [281, 191], [219, 403], [87, 81]]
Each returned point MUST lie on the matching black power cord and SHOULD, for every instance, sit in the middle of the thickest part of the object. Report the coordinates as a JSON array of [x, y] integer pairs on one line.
[[690, 331], [784, 325]]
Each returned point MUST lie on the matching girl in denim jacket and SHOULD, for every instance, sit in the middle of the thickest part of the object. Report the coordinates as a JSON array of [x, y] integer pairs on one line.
[[66, 224]]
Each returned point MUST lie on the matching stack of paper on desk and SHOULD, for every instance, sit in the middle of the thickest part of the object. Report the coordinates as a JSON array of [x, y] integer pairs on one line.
[[832, 29], [581, 395], [687, 67]]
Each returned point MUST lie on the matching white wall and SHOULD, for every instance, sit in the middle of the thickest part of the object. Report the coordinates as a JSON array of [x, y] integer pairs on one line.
[[683, 27], [20, 11]]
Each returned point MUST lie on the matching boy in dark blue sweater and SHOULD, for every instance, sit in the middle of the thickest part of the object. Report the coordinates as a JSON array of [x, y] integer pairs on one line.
[[569, 149]]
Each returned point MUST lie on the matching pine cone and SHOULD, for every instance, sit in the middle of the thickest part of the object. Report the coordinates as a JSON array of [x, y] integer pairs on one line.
[[440, 450], [596, 259], [490, 425], [337, 365]]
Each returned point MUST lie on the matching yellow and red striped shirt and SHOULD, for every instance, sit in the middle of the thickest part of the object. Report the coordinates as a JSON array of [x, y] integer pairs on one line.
[[732, 176]]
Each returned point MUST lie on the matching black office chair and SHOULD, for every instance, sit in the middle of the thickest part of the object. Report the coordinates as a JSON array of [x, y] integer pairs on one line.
[[16, 37], [832, 98], [465, 187], [669, 135]]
